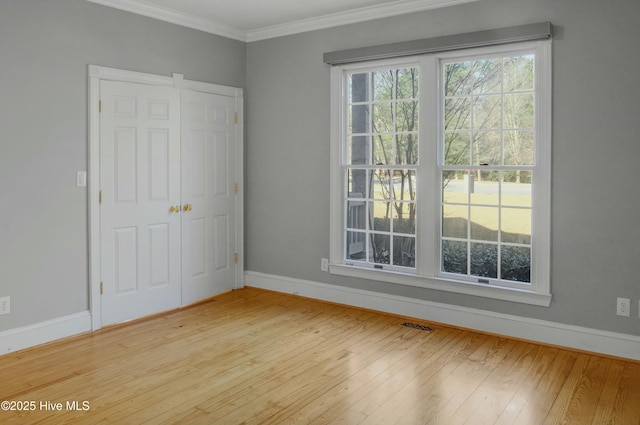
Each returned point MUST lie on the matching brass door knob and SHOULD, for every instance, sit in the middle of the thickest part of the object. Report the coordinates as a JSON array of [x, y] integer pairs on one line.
[[186, 207], [174, 209]]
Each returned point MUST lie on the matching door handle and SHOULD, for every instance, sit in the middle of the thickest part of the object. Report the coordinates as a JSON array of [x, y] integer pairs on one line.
[[186, 207], [174, 209]]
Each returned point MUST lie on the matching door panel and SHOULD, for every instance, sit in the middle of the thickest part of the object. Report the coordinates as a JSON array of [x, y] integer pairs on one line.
[[159, 163], [197, 229], [124, 164], [220, 241], [208, 167], [140, 181], [160, 255], [221, 161], [125, 267]]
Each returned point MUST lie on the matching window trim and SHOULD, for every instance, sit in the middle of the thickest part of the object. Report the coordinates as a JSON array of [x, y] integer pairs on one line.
[[427, 274]]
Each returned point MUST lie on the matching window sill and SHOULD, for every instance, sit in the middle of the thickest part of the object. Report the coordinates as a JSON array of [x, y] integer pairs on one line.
[[441, 284]]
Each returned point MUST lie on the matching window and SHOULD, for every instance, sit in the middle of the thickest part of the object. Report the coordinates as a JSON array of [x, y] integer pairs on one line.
[[380, 171], [441, 171]]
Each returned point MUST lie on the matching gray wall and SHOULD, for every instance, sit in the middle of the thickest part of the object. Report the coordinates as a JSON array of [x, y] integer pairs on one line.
[[45, 47], [596, 150]]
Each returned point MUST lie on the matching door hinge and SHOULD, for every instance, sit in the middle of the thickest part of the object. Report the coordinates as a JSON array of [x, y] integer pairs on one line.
[[235, 188], [235, 118], [235, 258], [100, 197], [101, 288], [100, 106]]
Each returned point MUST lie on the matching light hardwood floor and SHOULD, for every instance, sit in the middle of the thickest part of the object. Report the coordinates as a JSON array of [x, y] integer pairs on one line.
[[258, 357]]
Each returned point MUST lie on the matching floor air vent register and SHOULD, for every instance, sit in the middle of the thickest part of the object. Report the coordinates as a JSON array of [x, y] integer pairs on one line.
[[417, 326]]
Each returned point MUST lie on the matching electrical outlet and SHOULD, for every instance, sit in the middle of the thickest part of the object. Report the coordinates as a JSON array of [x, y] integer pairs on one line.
[[5, 305], [624, 307], [324, 265]]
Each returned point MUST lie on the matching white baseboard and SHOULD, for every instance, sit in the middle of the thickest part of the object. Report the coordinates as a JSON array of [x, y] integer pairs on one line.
[[40, 333], [558, 334]]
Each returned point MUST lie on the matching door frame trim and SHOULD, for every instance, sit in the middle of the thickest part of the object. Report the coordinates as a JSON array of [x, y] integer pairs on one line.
[[98, 73]]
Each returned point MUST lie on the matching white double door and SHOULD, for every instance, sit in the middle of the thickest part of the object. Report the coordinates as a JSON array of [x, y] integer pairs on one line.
[[167, 211]]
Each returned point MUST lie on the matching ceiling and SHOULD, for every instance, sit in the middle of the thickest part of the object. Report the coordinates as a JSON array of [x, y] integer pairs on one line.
[[253, 20]]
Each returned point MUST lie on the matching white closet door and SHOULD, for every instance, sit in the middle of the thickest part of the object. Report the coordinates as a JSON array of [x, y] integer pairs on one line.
[[208, 198], [140, 183]]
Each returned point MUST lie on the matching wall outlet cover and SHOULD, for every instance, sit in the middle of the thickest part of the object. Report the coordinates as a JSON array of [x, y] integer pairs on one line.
[[324, 265], [5, 305], [624, 307]]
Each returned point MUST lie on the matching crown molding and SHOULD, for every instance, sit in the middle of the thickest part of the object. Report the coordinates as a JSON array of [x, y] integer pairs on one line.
[[400, 7], [395, 8], [175, 17]]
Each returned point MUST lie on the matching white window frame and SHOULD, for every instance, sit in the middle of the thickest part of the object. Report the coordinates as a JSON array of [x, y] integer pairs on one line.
[[427, 272]]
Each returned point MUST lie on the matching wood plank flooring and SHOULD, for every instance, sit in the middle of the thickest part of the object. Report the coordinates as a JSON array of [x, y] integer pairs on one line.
[[258, 357]]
